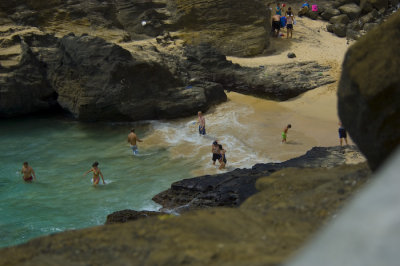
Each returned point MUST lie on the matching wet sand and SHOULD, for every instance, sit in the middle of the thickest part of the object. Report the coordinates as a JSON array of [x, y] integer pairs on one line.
[[250, 128]]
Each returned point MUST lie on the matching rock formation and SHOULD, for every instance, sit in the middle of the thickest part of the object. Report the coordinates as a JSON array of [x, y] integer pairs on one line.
[[128, 216], [93, 79], [233, 188], [369, 92], [353, 18], [237, 28]]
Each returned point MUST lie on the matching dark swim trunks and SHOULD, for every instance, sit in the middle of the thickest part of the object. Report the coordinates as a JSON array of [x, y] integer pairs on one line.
[[216, 156], [289, 26], [202, 131], [28, 179], [276, 25], [342, 133]]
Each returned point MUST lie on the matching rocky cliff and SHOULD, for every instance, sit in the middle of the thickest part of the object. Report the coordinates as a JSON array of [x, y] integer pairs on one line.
[[369, 92], [234, 27], [93, 79]]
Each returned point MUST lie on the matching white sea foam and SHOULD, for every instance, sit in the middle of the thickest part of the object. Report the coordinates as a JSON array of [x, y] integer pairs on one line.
[[223, 125]]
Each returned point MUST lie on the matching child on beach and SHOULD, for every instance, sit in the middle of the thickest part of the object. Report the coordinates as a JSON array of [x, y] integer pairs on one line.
[[96, 174], [284, 133]]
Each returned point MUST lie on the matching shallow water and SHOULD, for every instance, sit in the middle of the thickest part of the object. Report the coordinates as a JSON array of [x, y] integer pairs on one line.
[[61, 151]]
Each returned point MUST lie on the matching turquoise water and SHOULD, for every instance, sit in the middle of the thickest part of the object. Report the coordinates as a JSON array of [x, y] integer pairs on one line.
[[60, 152]]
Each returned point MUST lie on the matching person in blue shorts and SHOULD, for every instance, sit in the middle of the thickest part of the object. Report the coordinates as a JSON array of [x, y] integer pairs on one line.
[[132, 139], [342, 134], [202, 123]]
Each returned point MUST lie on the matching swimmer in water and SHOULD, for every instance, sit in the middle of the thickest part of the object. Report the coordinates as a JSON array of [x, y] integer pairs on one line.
[[96, 174], [28, 173]]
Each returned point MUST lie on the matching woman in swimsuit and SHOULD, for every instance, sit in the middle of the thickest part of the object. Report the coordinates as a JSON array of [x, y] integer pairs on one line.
[[96, 173], [222, 159]]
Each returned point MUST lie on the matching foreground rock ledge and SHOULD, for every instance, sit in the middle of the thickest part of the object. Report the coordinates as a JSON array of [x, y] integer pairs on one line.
[[264, 230]]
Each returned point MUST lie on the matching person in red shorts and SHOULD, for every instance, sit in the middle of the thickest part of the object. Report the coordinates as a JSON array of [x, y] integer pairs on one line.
[[28, 175]]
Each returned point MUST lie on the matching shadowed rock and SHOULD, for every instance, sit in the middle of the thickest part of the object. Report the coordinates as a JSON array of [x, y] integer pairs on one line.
[[369, 92], [232, 188], [128, 216]]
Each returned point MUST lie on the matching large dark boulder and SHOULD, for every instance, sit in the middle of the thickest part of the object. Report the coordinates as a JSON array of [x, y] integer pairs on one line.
[[351, 10], [341, 19], [24, 88], [369, 91], [96, 80], [329, 13]]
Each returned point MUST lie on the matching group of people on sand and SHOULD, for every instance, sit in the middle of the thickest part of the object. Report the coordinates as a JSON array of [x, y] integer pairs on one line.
[[283, 18]]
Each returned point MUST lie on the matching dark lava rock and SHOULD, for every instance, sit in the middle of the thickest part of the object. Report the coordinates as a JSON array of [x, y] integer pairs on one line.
[[231, 189], [352, 10], [339, 30], [278, 82], [369, 92], [291, 55], [329, 13], [341, 19], [129, 215], [94, 80], [24, 87], [352, 34]]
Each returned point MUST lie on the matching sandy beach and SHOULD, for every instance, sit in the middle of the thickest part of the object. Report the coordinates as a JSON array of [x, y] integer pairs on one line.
[[313, 115]]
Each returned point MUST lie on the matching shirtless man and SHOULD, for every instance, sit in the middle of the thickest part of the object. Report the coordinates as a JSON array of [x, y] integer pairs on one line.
[[216, 154], [276, 24], [28, 172], [132, 138], [202, 123]]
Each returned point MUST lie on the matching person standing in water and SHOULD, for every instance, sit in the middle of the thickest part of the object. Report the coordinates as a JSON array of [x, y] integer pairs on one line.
[[342, 134], [28, 174], [216, 155], [96, 174], [284, 133], [222, 159], [132, 138], [202, 123]]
